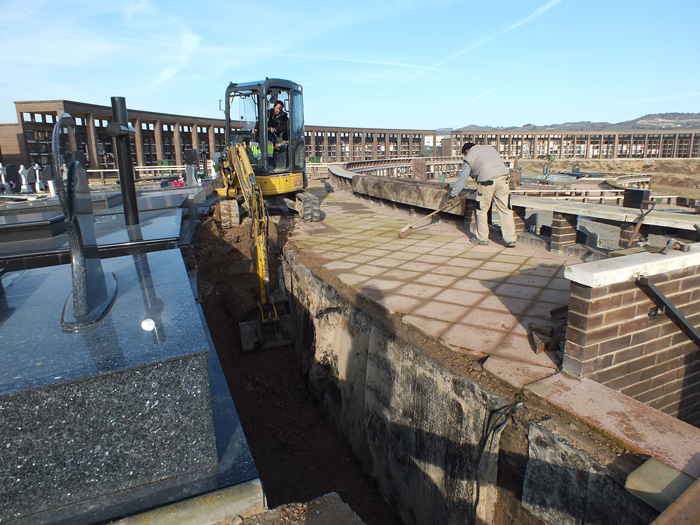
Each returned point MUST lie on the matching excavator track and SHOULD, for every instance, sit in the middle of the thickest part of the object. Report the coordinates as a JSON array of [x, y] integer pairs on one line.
[[308, 207]]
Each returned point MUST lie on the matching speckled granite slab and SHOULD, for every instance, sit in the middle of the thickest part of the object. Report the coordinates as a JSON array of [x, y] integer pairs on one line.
[[114, 419]]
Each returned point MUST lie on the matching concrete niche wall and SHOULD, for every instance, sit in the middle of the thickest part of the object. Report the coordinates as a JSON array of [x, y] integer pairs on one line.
[[443, 448]]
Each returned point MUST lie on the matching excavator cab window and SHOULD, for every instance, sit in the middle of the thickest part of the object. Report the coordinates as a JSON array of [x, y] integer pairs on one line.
[[243, 122], [277, 102]]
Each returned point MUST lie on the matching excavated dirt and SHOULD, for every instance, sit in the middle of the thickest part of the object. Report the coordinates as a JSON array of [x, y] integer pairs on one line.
[[298, 454], [669, 176]]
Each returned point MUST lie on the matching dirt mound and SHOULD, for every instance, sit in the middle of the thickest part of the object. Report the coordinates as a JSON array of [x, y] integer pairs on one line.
[[667, 167]]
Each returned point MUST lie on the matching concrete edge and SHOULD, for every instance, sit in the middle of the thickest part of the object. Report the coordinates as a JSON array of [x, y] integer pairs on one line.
[[222, 506]]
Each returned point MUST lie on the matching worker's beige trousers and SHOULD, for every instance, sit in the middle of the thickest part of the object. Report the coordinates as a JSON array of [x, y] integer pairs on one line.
[[499, 194]]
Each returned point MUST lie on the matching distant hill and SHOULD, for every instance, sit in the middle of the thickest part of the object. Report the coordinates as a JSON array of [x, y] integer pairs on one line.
[[656, 121]]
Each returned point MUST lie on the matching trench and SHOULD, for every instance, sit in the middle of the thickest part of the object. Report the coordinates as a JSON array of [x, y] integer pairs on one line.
[[298, 453], [405, 431]]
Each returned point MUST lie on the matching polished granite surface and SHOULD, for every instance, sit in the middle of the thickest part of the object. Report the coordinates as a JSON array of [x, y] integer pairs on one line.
[[41, 202], [34, 216], [36, 352], [110, 230], [150, 202], [93, 419]]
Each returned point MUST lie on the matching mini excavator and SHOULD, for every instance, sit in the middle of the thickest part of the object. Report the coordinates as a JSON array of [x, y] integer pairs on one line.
[[262, 166], [267, 118], [267, 329]]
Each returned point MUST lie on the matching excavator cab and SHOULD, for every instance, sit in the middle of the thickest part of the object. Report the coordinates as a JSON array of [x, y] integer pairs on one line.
[[268, 118]]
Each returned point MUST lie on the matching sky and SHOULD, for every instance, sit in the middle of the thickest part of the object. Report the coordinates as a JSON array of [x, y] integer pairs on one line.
[[407, 64]]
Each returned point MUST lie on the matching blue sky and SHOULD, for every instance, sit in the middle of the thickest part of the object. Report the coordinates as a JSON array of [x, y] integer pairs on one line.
[[363, 63]]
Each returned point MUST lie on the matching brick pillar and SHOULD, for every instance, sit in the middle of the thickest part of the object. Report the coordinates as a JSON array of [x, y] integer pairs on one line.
[[563, 231], [177, 144], [138, 143], [195, 137], [470, 215], [519, 219], [158, 132], [212, 140], [92, 141]]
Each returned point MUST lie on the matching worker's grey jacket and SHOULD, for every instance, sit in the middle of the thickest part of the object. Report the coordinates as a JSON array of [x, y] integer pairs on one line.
[[484, 163]]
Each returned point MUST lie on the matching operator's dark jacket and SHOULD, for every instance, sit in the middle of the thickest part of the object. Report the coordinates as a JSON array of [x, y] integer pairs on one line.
[[279, 123]]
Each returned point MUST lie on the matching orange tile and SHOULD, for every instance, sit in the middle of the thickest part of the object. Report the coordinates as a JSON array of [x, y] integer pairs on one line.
[[472, 338], [462, 297], [430, 327], [501, 321], [443, 311]]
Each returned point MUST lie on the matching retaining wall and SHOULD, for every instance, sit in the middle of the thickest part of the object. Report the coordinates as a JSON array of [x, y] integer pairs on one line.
[[444, 448]]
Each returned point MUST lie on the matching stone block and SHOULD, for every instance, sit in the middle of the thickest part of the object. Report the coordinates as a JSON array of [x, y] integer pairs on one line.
[[657, 484], [428, 195]]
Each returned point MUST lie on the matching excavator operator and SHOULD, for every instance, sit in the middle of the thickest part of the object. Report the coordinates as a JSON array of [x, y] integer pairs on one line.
[[277, 121]]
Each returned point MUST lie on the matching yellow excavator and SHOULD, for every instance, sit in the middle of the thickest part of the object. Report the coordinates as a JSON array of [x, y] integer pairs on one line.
[[262, 166], [267, 119], [267, 328]]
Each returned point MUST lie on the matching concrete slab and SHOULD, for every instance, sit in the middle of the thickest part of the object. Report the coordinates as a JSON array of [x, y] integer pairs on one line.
[[685, 510], [515, 373], [477, 300], [640, 427], [623, 269], [657, 484], [552, 385]]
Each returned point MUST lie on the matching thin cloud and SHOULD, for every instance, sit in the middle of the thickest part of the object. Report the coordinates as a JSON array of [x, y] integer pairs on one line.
[[480, 96], [539, 12]]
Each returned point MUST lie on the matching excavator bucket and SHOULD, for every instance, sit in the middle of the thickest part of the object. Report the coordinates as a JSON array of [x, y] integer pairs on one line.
[[271, 326], [260, 334]]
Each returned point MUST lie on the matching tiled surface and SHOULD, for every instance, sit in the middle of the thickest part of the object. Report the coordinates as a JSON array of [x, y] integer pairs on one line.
[[476, 300], [479, 301]]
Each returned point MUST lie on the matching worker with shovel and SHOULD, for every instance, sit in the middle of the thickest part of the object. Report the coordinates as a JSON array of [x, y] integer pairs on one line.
[[484, 164]]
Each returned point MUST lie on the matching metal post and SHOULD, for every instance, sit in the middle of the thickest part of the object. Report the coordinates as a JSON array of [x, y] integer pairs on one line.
[[126, 168]]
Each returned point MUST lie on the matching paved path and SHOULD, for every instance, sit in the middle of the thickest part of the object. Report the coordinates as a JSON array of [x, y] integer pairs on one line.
[[476, 300]]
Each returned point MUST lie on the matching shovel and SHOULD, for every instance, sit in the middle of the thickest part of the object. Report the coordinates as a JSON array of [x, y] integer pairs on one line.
[[409, 227], [643, 215]]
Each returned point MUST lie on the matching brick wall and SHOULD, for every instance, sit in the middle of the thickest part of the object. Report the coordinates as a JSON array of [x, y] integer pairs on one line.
[[612, 340], [563, 231], [12, 145]]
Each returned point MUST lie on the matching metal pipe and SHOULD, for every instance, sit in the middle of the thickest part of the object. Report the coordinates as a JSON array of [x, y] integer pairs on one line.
[[126, 168]]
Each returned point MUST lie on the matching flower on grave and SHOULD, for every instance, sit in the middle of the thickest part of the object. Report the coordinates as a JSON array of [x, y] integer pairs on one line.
[[12, 185]]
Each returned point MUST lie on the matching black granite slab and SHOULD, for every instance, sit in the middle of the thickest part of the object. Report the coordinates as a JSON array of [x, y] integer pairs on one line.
[[44, 203], [158, 230], [29, 226], [115, 419], [150, 202]]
